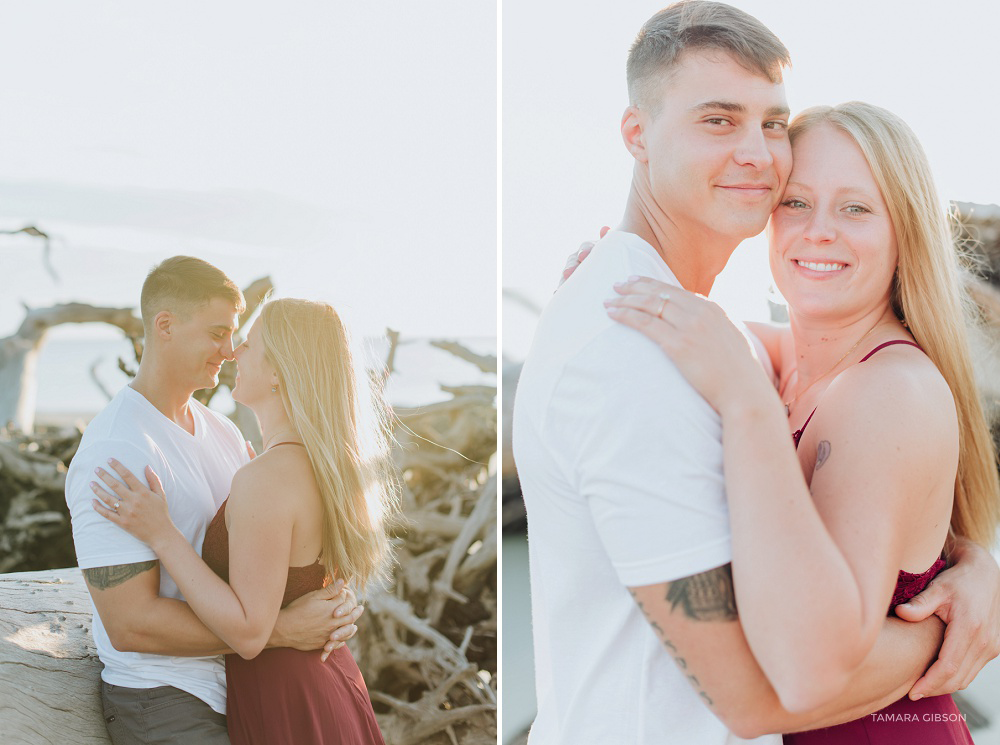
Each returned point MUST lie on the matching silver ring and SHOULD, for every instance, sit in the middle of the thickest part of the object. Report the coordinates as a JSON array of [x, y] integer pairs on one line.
[[664, 297], [117, 505]]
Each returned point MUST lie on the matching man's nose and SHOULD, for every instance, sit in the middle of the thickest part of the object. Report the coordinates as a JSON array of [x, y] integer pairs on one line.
[[753, 150], [227, 349]]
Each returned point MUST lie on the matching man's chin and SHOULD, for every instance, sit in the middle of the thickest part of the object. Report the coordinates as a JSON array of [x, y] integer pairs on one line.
[[751, 223], [208, 383]]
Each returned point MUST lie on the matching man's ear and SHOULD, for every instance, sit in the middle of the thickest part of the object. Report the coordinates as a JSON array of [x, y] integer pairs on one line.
[[633, 134], [162, 323]]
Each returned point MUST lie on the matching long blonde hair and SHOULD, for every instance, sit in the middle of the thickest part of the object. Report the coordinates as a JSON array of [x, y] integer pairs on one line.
[[927, 293], [345, 434]]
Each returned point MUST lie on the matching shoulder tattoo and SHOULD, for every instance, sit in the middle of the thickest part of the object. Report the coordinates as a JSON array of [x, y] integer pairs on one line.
[[102, 578], [822, 454], [708, 596]]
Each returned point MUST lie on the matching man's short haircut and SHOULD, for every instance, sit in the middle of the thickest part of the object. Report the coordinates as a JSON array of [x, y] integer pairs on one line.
[[702, 25], [182, 284]]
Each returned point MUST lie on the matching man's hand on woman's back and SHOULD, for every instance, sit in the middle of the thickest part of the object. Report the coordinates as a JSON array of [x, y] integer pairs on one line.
[[967, 598]]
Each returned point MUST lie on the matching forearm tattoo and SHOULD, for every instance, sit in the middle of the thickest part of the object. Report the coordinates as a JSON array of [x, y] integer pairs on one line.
[[672, 648], [708, 596], [102, 578]]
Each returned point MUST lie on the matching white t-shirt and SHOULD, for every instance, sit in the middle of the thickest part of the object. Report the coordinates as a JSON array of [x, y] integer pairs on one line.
[[196, 471], [620, 464]]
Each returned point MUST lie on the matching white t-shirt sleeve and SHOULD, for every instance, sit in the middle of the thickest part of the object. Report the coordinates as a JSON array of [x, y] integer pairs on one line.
[[647, 452], [99, 542]]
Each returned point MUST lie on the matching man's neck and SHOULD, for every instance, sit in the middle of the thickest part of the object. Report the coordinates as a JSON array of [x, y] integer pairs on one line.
[[172, 401], [694, 258]]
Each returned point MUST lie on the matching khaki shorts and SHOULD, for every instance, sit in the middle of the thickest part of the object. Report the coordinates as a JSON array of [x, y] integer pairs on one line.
[[158, 716]]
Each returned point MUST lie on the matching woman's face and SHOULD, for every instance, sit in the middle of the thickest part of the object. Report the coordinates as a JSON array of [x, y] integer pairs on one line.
[[254, 374], [832, 245]]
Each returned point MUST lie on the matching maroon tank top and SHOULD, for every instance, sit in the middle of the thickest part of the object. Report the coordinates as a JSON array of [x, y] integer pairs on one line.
[[929, 721], [215, 553], [284, 695]]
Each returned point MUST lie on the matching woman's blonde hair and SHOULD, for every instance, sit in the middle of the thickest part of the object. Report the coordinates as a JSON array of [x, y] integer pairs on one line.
[[345, 433], [927, 293]]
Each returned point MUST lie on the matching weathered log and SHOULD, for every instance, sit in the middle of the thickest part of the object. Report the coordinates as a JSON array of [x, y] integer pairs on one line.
[[49, 670]]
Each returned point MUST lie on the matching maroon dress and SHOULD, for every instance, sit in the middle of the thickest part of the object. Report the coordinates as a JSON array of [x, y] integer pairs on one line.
[[929, 721], [284, 696]]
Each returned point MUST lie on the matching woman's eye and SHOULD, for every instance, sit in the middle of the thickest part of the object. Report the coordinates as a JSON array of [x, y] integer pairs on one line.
[[857, 209], [794, 203]]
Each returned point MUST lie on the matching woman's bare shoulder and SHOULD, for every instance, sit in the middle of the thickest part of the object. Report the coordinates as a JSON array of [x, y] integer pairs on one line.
[[279, 477], [899, 388]]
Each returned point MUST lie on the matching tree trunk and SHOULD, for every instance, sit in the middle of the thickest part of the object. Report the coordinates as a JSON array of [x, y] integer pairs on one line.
[[49, 671]]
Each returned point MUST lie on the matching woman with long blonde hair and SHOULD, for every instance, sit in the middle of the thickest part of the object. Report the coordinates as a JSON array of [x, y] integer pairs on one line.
[[314, 505], [890, 454]]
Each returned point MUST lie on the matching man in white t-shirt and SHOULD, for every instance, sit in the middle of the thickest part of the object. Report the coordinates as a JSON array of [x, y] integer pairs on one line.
[[164, 679], [637, 638]]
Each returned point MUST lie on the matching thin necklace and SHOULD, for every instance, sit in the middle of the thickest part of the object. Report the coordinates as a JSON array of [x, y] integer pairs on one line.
[[790, 404]]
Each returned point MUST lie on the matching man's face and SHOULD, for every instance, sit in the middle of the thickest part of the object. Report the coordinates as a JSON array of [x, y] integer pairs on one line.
[[716, 146], [200, 342]]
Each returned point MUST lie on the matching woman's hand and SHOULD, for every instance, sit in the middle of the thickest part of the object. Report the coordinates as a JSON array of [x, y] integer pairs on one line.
[[577, 258], [710, 352], [131, 505]]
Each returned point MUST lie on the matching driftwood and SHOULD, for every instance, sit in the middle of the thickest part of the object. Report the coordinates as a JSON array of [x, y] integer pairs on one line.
[[31, 230], [485, 362], [429, 650], [49, 669], [426, 645], [19, 353]]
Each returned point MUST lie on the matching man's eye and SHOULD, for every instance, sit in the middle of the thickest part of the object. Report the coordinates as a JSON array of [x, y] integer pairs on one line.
[[781, 126]]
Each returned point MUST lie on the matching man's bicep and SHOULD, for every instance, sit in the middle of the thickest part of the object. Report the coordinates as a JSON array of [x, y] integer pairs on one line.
[[104, 578], [121, 592]]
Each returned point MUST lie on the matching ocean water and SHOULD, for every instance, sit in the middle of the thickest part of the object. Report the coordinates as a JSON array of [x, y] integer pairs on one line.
[[67, 369]]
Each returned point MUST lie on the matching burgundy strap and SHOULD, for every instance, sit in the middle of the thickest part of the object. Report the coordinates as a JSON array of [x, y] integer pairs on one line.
[[889, 344], [796, 436]]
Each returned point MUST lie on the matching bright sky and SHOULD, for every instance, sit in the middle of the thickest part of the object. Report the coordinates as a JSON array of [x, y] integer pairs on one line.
[[566, 172], [348, 149]]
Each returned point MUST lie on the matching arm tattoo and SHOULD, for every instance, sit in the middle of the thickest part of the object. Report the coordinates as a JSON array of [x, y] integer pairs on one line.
[[672, 648], [102, 578], [822, 454], [707, 596]]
